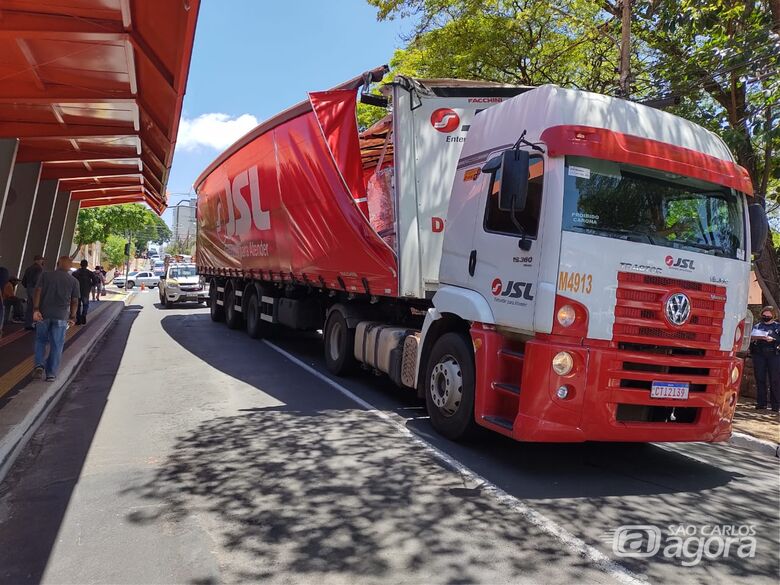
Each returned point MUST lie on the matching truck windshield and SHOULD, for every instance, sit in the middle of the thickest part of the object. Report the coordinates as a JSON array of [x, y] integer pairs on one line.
[[183, 271], [638, 204]]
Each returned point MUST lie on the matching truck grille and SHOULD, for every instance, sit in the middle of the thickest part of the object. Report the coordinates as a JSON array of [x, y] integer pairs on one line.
[[650, 349], [639, 312]]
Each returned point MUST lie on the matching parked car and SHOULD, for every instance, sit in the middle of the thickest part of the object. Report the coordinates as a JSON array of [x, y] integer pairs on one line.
[[119, 280], [147, 278], [158, 267]]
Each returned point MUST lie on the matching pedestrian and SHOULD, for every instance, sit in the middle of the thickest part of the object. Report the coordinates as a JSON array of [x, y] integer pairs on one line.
[[765, 339], [55, 302], [103, 277], [12, 303], [96, 276], [29, 281], [86, 281], [4, 276]]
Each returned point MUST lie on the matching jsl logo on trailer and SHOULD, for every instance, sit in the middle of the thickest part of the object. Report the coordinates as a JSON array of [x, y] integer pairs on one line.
[[242, 213]]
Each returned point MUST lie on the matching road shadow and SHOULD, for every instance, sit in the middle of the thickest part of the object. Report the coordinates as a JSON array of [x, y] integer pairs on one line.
[[275, 475], [298, 494], [34, 496]]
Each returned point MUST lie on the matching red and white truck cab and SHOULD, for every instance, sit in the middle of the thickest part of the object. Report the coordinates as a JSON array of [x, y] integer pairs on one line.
[[610, 304]]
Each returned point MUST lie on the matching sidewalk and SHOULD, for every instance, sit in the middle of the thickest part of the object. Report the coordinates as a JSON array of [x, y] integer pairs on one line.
[[24, 402], [761, 424], [16, 347]]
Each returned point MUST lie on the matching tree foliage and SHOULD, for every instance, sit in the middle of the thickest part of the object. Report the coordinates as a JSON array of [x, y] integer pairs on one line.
[[100, 224], [114, 250]]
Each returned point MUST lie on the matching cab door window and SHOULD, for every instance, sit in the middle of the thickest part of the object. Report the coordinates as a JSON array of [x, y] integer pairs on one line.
[[500, 222]]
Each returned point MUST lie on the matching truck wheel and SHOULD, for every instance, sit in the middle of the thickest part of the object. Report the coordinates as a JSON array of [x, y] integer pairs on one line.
[[254, 323], [339, 341], [130, 284], [217, 312], [449, 386], [232, 317]]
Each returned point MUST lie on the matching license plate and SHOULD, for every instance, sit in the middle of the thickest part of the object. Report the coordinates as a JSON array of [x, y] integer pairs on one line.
[[675, 390]]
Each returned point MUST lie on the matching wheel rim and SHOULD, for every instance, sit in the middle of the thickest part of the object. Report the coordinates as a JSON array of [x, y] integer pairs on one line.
[[335, 339], [446, 385]]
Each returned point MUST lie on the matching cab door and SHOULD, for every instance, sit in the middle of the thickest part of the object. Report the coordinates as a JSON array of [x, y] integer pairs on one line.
[[504, 273]]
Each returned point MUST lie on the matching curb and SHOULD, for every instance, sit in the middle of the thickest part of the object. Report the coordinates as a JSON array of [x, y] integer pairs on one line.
[[21, 417], [750, 442]]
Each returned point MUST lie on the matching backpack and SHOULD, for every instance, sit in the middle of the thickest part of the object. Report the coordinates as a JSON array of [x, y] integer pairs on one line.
[[95, 279]]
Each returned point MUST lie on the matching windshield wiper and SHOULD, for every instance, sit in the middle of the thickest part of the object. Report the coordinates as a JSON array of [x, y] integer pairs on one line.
[[628, 233], [698, 246]]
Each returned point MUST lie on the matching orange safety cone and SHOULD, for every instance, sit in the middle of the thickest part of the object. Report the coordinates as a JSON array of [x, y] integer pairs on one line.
[[143, 287]]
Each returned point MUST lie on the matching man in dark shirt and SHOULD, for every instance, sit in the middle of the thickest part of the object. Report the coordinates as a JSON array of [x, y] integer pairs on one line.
[[29, 282], [86, 279], [55, 300]]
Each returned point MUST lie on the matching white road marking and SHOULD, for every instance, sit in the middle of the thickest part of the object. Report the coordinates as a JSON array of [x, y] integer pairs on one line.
[[572, 543]]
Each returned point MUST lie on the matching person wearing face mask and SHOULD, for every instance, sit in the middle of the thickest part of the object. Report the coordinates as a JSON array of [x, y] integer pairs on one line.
[[765, 339]]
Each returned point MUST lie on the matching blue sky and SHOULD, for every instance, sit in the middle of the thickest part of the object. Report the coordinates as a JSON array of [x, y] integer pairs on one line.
[[254, 58]]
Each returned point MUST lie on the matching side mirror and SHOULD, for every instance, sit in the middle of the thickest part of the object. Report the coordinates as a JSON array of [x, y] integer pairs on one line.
[[759, 228], [513, 191]]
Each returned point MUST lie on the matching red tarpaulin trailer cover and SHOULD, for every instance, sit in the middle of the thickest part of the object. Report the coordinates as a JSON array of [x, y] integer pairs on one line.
[[291, 202]]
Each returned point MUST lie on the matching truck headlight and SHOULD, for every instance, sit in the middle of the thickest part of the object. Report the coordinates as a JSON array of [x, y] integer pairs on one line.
[[734, 374], [562, 363], [566, 315]]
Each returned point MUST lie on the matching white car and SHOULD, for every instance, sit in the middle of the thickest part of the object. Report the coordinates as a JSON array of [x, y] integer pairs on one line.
[[182, 283], [146, 277], [119, 281]]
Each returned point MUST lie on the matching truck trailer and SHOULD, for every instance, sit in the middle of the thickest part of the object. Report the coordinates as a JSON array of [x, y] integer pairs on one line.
[[548, 263]]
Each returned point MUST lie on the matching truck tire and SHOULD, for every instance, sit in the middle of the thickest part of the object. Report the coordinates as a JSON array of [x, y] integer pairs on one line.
[[130, 284], [449, 386], [233, 318], [217, 312], [254, 324], [339, 342]]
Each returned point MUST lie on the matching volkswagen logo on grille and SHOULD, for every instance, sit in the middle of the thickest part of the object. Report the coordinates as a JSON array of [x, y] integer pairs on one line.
[[678, 309]]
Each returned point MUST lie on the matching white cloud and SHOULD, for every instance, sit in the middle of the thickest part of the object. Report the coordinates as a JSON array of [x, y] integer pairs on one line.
[[217, 131]]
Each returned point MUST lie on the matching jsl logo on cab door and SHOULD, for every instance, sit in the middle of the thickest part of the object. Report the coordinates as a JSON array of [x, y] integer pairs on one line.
[[515, 292]]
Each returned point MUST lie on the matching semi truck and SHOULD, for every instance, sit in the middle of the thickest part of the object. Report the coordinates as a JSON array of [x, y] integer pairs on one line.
[[547, 263]]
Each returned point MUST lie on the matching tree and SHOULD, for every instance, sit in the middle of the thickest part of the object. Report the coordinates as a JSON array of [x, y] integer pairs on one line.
[[523, 42], [90, 228], [114, 250]]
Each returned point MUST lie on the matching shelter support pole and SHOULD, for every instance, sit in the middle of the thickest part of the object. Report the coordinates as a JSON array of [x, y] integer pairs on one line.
[[17, 214]]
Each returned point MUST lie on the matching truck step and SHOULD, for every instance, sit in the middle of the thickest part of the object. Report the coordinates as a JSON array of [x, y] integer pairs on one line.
[[512, 389], [514, 355], [497, 420]]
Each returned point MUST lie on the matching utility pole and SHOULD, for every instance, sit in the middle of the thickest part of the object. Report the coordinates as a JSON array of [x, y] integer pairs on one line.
[[625, 50]]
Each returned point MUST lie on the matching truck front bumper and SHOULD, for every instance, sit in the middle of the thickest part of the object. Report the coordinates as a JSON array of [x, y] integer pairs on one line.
[[608, 396]]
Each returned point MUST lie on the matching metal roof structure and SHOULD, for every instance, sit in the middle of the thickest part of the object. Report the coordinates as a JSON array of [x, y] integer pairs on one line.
[[93, 89]]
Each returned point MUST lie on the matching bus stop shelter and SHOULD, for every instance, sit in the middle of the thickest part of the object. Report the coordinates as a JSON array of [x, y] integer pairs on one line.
[[91, 94]]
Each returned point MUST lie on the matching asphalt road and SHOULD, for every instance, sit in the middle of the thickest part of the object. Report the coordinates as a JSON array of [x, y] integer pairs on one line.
[[187, 453]]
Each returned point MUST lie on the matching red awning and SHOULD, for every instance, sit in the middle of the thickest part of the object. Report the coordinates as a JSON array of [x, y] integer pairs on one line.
[[93, 89]]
